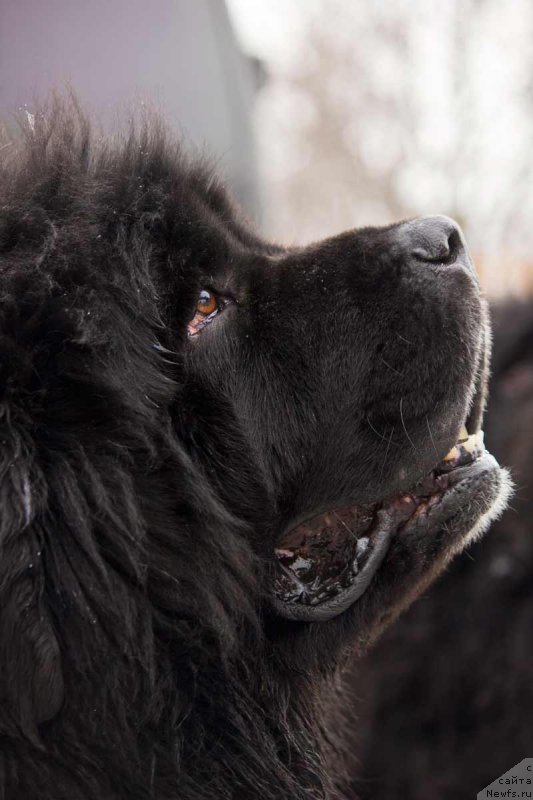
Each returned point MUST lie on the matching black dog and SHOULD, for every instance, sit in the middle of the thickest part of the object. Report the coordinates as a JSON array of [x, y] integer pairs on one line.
[[211, 447], [446, 699]]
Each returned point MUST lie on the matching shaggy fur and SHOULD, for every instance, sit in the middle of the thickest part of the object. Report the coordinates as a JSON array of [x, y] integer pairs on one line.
[[445, 702], [145, 476]]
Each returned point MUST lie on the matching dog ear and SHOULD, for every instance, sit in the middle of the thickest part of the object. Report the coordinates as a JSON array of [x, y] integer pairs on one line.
[[31, 679]]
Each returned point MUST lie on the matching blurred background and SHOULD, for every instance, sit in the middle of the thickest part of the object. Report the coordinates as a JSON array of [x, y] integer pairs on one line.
[[324, 114], [374, 111]]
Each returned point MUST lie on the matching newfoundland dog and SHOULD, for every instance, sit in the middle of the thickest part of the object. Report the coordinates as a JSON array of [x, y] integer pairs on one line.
[[226, 466]]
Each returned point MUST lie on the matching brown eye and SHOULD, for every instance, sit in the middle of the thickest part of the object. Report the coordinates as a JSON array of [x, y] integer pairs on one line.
[[208, 307], [207, 302]]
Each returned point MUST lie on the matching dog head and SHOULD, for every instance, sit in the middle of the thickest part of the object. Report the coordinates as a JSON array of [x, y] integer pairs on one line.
[[207, 435]]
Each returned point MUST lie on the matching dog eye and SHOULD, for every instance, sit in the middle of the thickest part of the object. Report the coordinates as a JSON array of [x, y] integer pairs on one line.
[[208, 306], [207, 302]]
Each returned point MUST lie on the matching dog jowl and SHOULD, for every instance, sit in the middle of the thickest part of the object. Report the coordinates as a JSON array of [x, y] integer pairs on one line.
[[225, 466]]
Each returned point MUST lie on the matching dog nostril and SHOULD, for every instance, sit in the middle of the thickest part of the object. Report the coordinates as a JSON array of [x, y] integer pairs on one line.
[[436, 240]]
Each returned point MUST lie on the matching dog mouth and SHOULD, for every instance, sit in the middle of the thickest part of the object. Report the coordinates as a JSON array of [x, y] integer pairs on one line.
[[327, 562]]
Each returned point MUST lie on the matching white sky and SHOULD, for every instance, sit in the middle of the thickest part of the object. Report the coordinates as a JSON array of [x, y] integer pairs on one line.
[[267, 28]]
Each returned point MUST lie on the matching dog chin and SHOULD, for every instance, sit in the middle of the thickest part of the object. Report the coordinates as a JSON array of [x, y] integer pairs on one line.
[[495, 511]]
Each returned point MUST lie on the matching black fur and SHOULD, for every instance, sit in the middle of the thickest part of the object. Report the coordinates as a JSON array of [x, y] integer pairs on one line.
[[445, 701], [144, 477]]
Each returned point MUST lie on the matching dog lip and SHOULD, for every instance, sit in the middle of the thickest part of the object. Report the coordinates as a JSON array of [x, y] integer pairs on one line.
[[320, 571], [290, 596]]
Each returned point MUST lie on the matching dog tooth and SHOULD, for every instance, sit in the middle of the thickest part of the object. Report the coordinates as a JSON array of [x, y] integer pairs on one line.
[[283, 553], [362, 545], [471, 443], [454, 453], [406, 499], [463, 434]]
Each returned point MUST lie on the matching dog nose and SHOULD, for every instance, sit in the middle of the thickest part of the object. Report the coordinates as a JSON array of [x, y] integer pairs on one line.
[[435, 240]]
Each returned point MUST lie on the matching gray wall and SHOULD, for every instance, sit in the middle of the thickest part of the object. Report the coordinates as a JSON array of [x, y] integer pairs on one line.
[[180, 55]]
